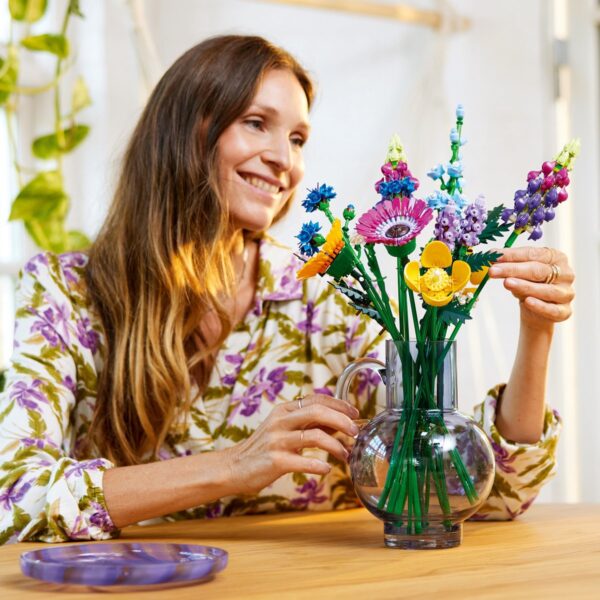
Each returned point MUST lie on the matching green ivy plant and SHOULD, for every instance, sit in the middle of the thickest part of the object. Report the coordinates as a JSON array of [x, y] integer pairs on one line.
[[42, 202]]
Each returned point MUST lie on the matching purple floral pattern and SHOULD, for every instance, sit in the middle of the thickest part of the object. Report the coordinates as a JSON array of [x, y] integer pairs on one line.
[[297, 339]]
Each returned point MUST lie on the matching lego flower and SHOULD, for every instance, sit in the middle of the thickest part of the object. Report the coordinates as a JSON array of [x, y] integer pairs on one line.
[[394, 222], [436, 286], [317, 197], [334, 257]]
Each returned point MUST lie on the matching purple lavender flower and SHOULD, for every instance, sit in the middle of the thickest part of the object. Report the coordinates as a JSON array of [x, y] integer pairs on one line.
[[268, 387], [503, 458], [472, 223], [71, 261], [447, 225], [85, 465]]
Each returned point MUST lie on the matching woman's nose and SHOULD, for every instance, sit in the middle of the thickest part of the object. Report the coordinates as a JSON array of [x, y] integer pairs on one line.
[[279, 153]]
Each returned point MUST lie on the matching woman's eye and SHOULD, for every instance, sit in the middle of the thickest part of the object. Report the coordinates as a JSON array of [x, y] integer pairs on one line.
[[298, 141], [254, 123]]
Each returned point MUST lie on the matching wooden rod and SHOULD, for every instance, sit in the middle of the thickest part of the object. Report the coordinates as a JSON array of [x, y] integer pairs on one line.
[[398, 12]]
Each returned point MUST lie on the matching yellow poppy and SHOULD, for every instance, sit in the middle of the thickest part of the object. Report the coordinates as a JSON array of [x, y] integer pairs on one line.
[[320, 262], [436, 286]]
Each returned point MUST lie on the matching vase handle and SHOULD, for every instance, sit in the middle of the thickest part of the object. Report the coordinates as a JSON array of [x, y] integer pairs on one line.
[[345, 379]]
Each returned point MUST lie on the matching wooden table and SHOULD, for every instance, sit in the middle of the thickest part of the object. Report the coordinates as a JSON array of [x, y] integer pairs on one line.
[[551, 552]]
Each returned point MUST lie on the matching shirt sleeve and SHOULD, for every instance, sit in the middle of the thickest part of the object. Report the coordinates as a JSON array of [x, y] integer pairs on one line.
[[521, 469], [45, 494]]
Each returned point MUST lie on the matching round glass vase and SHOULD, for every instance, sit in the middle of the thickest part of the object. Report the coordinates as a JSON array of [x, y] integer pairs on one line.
[[420, 466]]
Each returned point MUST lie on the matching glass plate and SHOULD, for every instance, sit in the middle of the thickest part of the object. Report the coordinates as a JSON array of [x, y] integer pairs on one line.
[[124, 564]]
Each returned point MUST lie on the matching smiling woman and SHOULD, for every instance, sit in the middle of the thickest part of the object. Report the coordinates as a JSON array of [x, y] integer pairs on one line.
[[181, 369]]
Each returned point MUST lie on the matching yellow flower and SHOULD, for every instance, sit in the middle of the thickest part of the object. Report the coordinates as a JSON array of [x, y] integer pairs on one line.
[[436, 286], [320, 262]]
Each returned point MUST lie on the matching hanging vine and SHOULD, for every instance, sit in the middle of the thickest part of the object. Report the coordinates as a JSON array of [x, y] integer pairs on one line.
[[42, 202]]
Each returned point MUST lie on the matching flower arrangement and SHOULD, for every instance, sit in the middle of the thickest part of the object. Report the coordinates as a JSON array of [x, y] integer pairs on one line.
[[447, 276]]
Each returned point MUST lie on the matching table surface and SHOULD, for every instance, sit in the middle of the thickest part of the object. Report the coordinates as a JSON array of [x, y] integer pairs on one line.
[[553, 551]]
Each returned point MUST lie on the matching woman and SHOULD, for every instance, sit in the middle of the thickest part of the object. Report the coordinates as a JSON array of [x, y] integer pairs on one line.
[[160, 373]]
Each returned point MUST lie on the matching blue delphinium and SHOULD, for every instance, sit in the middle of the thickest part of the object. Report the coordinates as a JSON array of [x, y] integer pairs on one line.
[[323, 193], [308, 238], [436, 172]]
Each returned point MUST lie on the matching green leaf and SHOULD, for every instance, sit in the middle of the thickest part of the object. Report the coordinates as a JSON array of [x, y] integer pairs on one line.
[[80, 97], [2, 381], [27, 10], [355, 296], [43, 197], [74, 8], [453, 314], [48, 234], [493, 229], [479, 260], [47, 42], [48, 146], [78, 240], [9, 77], [370, 312]]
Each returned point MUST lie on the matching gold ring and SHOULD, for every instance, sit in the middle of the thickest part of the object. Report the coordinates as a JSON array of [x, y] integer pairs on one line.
[[300, 398], [553, 275]]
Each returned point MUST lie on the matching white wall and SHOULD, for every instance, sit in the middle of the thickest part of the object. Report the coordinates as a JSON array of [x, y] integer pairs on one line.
[[377, 77]]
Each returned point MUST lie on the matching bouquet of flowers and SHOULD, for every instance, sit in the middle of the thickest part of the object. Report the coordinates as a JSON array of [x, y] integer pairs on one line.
[[446, 276]]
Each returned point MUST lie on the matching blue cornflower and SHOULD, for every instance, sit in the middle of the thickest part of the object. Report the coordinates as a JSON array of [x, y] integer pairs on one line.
[[408, 185], [323, 193], [306, 236], [436, 172]]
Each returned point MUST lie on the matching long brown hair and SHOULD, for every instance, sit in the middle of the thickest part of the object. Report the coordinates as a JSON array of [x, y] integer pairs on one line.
[[161, 259]]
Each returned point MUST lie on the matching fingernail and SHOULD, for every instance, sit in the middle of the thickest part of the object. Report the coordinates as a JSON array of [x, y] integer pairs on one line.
[[495, 270], [354, 429]]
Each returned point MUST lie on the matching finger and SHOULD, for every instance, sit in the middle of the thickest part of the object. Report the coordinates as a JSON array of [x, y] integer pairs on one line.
[[530, 271], [296, 463], [315, 438], [553, 312], [334, 403], [320, 415], [557, 294], [529, 254]]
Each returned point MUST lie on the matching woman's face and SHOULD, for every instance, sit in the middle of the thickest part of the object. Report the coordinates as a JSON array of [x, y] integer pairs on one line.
[[260, 158]]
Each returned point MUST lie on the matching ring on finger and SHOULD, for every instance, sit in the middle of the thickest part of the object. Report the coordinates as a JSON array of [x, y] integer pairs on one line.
[[553, 275], [299, 398], [301, 441]]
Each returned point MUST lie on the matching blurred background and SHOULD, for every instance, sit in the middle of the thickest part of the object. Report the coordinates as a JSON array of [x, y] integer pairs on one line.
[[526, 72]]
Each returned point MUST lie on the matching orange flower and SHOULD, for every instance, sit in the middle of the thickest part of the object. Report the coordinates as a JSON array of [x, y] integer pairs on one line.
[[320, 262], [436, 286]]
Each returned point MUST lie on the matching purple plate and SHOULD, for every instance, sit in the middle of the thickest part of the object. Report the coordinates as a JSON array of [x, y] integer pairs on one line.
[[124, 564]]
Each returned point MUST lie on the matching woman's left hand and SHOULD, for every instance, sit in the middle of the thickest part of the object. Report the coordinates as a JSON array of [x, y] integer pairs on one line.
[[541, 279]]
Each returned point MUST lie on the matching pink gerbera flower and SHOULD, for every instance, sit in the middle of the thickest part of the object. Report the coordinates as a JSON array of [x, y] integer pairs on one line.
[[394, 222]]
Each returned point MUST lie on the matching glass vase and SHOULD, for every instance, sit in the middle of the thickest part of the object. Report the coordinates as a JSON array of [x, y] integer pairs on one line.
[[420, 466]]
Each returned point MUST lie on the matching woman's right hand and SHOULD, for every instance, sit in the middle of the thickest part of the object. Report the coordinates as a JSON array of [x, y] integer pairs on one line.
[[274, 448]]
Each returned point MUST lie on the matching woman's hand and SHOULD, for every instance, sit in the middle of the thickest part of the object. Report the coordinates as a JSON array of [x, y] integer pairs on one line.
[[273, 449], [544, 293]]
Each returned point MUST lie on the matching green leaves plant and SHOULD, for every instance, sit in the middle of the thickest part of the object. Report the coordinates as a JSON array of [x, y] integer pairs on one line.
[[47, 42], [479, 260], [80, 97], [27, 10], [8, 77], [48, 146], [493, 229], [42, 198]]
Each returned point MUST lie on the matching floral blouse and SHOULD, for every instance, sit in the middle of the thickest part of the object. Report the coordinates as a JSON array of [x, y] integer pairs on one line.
[[297, 338]]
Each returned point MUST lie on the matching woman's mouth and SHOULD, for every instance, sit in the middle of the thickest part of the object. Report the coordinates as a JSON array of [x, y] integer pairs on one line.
[[261, 184]]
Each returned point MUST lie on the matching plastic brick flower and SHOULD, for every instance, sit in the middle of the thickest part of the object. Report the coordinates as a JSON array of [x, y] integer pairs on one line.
[[321, 194], [436, 286], [310, 239], [394, 222], [334, 258]]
